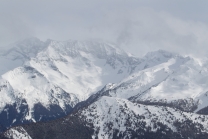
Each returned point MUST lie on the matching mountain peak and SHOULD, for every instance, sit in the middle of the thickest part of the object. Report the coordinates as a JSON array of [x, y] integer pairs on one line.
[[99, 48], [160, 54]]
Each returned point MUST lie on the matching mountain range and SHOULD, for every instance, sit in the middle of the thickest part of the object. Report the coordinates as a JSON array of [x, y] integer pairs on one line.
[[94, 89]]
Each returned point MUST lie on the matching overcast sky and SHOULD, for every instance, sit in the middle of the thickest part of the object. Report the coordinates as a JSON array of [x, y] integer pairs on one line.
[[138, 26]]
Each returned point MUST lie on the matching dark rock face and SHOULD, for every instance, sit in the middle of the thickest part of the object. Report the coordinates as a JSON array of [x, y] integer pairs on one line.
[[203, 111], [13, 116], [183, 105], [3, 137], [73, 128], [55, 111], [91, 99]]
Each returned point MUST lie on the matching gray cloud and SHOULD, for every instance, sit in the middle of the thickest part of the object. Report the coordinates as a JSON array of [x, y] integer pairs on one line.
[[138, 26]]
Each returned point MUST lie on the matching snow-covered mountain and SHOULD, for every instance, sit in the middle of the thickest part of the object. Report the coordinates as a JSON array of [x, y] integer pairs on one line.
[[111, 117], [177, 82], [56, 78], [83, 68], [61, 75]]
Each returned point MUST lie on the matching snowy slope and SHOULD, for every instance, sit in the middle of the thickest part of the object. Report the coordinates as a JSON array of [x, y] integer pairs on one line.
[[61, 75], [175, 79], [111, 117], [27, 83], [120, 114], [17, 133], [83, 68], [143, 80]]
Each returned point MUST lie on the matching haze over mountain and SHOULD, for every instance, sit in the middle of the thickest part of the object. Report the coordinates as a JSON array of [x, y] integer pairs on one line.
[[137, 26]]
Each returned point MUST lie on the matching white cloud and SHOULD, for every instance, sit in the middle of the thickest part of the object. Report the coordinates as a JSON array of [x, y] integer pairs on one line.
[[138, 26]]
